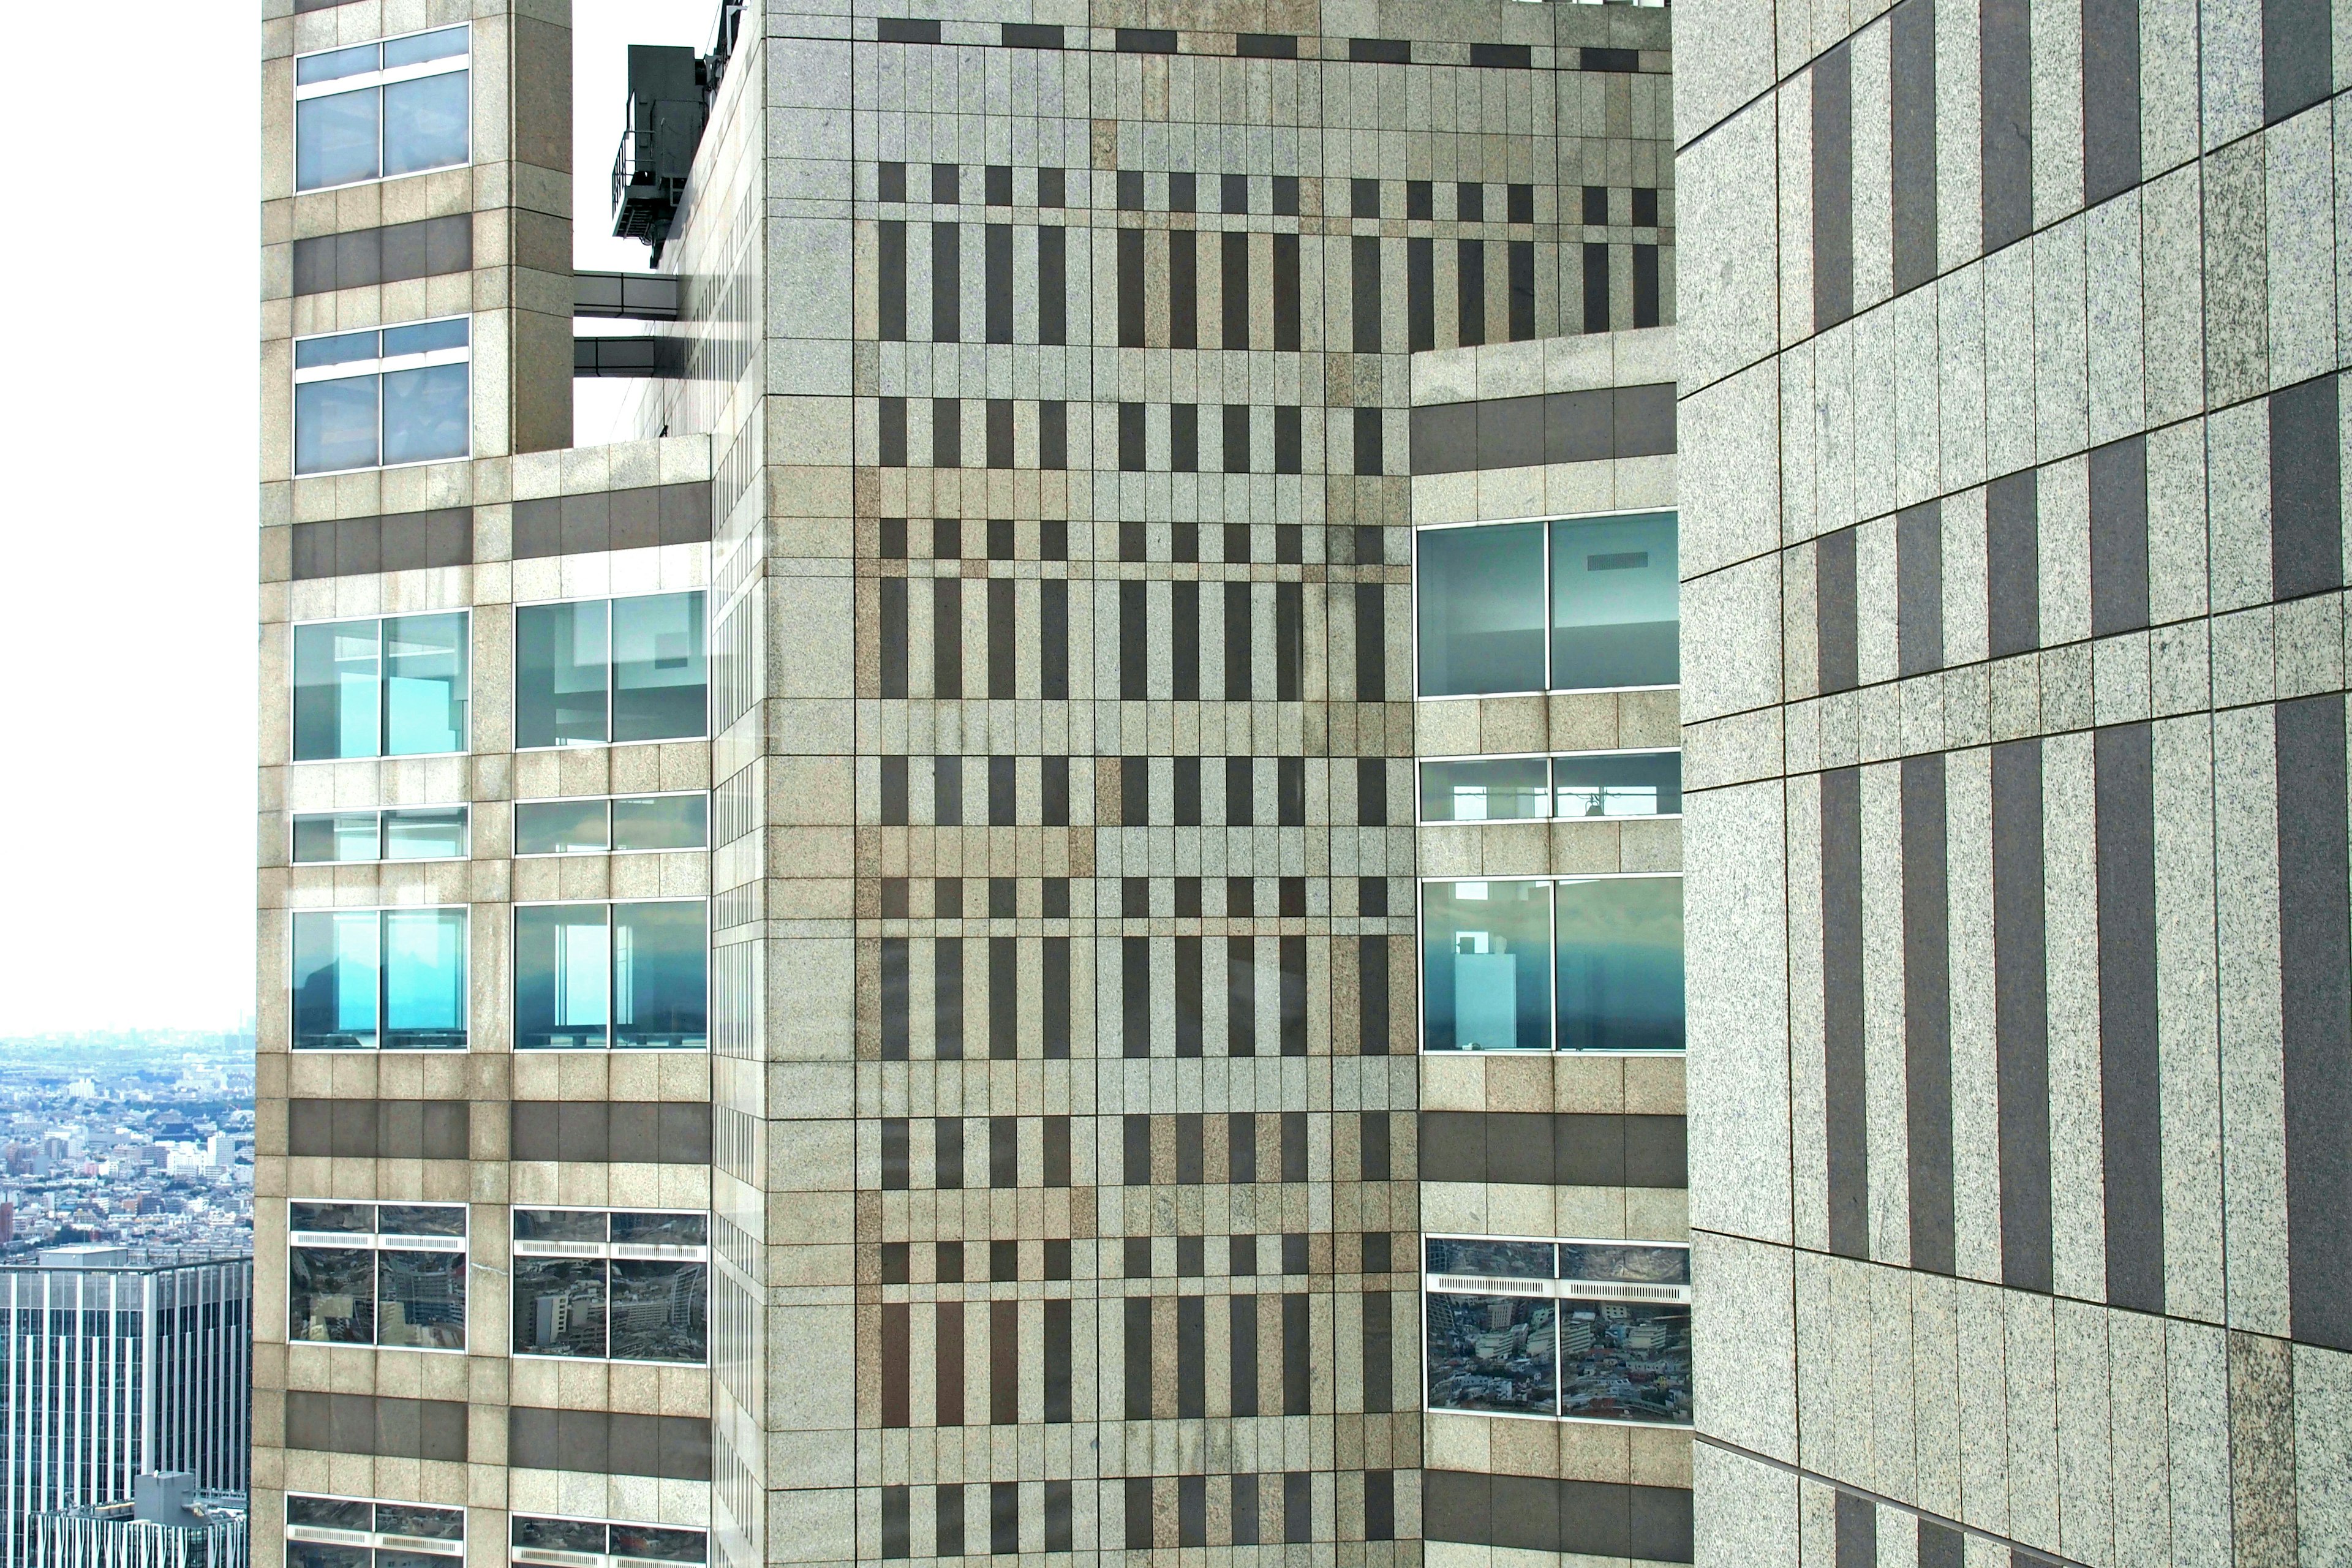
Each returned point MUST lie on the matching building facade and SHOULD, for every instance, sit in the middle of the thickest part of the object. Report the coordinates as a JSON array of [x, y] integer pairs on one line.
[[118, 1363], [1049, 921], [2017, 823], [167, 1522]]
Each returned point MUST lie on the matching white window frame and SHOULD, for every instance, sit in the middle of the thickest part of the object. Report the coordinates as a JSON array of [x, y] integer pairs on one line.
[[379, 77], [382, 1241], [1552, 787], [513, 972], [373, 1540], [1413, 595], [612, 1251], [379, 812], [466, 611], [514, 654], [1552, 940], [379, 910], [379, 367], [702, 849], [1535, 1290]]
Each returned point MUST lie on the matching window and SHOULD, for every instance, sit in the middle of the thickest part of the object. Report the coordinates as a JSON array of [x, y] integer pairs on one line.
[[1580, 603], [582, 1544], [619, 824], [393, 688], [623, 977], [353, 1533], [1617, 785], [375, 111], [1582, 1331], [376, 1274], [395, 833], [1583, 963], [388, 980], [611, 1286], [595, 671], [379, 398]]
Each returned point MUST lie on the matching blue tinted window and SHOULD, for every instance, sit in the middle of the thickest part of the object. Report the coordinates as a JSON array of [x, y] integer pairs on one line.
[[335, 424], [1618, 783], [661, 821], [1486, 966], [659, 689], [1620, 964], [342, 348], [335, 979], [560, 674], [425, 123], [335, 65], [335, 139], [425, 833], [336, 836], [1479, 610], [1505, 789], [424, 417], [562, 968], [559, 826], [425, 979], [425, 337], [1615, 603], [419, 48], [336, 689], [660, 969], [425, 685]]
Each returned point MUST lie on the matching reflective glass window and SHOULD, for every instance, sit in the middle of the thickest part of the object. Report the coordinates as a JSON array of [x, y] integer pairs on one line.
[[425, 120], [419, 1522], [558, 1307], [425, 685], [334, 65], [1625, 1333], [328, 1512], [1498, 789], [422, 1298], [336, 836], [425, 979], [336, 691], [561, 827], [658, 681], [1620, 964], [561, 661], [419, 48], [425, 833], [335, 136], [1479, 612], [563, 963], [648, 1544], [1490, 1259], [660, 977], [558, 1535], [334, 968], [661, 821], [327, 1554], [1494, 1353], [335, 424], [1615, 603], [425, 414], [331, 1295], [657, 1311], [1618, 783], [1486, 968], [641, 1296]]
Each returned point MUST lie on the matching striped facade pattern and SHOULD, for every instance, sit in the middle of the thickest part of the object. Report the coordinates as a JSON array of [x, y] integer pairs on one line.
[[2017, 753]]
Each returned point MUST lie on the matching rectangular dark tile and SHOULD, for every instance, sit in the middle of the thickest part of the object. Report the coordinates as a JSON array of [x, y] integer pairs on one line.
[[2307, 500], [2020, 1015], [2111, 95], [1912, 83], [1919, 584], [1845, 1062], [2298, 56], [1927, 1012], [2130, 1068], [2119, 536], [1837, 654], [1855, 1524], [2005, 94], [2316, 987], [2013, 564], [1832, 76]]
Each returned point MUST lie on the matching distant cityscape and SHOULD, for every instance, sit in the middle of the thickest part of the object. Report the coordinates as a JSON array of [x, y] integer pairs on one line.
[[138, 1138]]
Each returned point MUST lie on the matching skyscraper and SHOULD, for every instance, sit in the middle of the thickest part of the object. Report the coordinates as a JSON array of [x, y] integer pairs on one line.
[[2020, 1031], [116, 1363], [879, 971]]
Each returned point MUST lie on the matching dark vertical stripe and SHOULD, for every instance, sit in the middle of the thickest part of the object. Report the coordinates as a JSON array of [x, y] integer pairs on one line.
[[1372, 994], [2316, 986], [1053, 987], [946, 997], [1364, 294], [1648, 309], [1857, 1544], [2298, 56], [1380, 1353], [1003, 998], [1055, 1359], [893, 633], [1138, 1366], [1297, 1351], [1596, 287], [894, 999], [1134, 645], [2110, 98], [2129, 1071], [1003, 1363], [1192, 1373], [2013, 564], [1289, 638], [1833, 187], [2021, 1014], [1135, 996], [1241, 997], [1130, 288], [1234, 263], [996, 278], [1837, 659], [947, 1346], [1291, 959], [1183, 289], [1940, 1546], [1053, 287], [947, 636], [1187, 995], [1912, 43], [1241, 1355], [1285, 291], [2306, 497], [1519, 263], [890, 281], [1927, 1012], [1238, 653], [1420, 294], [1002, 647], [1919, 585], [1844, 1063], [1053, 639], [895, 1358], [947, 282], [2005, 85], [1371, 643], [1470, 291], [2119, 536]]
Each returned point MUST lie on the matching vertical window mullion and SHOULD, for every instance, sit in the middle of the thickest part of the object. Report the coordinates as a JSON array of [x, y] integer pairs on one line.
[[1543, 611]]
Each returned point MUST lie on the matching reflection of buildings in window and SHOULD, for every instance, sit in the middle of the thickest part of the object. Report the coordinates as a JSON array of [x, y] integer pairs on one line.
[[354, 1532], [1579, 1330], [591, 1544], [610, 1285], [392, 1274]]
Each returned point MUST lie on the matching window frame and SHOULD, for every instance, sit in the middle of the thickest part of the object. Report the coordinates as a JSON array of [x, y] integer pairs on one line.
[[1551, 796], [545, 1557], [1554, 1289], [373, 1245], [379, 79], [377, 369], [382, 1006], [372, 1540], [379, 811], [1547, 520], [609, 1251], [607, 600], [514, 974], [515, 834], [294, 627], [1551, 972]]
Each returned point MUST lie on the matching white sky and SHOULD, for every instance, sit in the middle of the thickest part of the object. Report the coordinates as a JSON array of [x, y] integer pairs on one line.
[[127, 534]]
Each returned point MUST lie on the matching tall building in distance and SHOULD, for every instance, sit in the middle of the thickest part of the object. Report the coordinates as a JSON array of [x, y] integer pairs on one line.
[[117, 1362], [1048, 919], [2021, 1026]]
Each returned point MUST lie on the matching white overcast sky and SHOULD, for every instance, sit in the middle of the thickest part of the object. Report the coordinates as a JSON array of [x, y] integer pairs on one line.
[[128, 535]]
